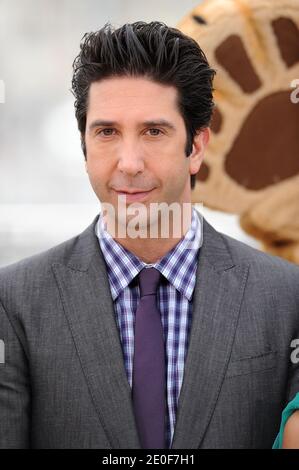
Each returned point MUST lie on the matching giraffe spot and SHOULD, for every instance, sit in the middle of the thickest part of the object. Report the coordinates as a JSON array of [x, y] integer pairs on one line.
[[203, 173], [287, 35], [199, 19], [216, 122], [280, 243], [266, 150], [232, 56]]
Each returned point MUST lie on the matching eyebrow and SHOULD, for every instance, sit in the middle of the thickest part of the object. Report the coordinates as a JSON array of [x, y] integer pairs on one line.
[[154, 123]]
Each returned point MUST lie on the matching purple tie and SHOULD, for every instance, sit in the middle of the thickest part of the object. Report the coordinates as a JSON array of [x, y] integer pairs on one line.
[[149, 390]]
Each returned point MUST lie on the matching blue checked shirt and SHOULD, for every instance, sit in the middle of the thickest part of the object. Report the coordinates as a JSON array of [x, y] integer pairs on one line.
[[174, 298]]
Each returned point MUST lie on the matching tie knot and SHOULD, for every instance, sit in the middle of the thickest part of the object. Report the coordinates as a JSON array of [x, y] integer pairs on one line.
[[148, 281]]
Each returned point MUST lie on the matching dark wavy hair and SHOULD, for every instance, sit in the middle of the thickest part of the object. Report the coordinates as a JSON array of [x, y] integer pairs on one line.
[[151, 50]]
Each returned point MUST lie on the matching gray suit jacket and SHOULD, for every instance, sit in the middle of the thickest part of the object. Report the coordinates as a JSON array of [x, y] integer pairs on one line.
[[63, 383]]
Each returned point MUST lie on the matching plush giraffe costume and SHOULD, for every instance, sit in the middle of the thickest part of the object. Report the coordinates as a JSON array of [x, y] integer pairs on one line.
[[251, 166]]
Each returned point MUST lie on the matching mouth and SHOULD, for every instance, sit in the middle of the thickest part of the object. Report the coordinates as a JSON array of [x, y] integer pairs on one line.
[[134, 196]]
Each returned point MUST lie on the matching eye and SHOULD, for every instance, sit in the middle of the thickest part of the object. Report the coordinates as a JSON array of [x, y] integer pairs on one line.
[[154, 131], [105, 133]]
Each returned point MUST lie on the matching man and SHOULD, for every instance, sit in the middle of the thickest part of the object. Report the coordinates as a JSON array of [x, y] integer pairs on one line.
[[124, 341]]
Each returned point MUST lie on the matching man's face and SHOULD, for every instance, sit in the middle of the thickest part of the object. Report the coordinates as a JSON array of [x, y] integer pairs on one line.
[[135, 141]]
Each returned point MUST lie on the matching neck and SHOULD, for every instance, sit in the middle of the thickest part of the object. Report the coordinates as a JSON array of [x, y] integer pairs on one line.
[[151, 242]]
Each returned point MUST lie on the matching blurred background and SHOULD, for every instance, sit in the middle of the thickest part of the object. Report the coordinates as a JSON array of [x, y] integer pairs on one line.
[[45, 195]]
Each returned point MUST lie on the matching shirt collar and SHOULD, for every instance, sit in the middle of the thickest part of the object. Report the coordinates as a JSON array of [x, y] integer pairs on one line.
[[178, 266]]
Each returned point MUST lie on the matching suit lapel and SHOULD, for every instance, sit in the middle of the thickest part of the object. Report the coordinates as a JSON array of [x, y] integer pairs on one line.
[[216, 305], [87, 303]]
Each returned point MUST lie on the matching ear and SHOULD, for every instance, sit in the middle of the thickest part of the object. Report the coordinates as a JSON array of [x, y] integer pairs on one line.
[[83, 147], [200, 142]]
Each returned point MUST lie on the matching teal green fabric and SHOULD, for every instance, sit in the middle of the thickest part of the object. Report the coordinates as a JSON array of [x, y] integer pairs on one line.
[[289, 409]]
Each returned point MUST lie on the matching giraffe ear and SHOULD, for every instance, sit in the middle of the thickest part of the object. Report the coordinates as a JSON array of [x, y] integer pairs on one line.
[[251, 167]]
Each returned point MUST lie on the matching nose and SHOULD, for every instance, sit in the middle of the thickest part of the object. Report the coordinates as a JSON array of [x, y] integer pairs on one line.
[[130, 159]]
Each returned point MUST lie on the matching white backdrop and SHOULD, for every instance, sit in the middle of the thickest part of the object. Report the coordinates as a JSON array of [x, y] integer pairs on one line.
[[45, 196]]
